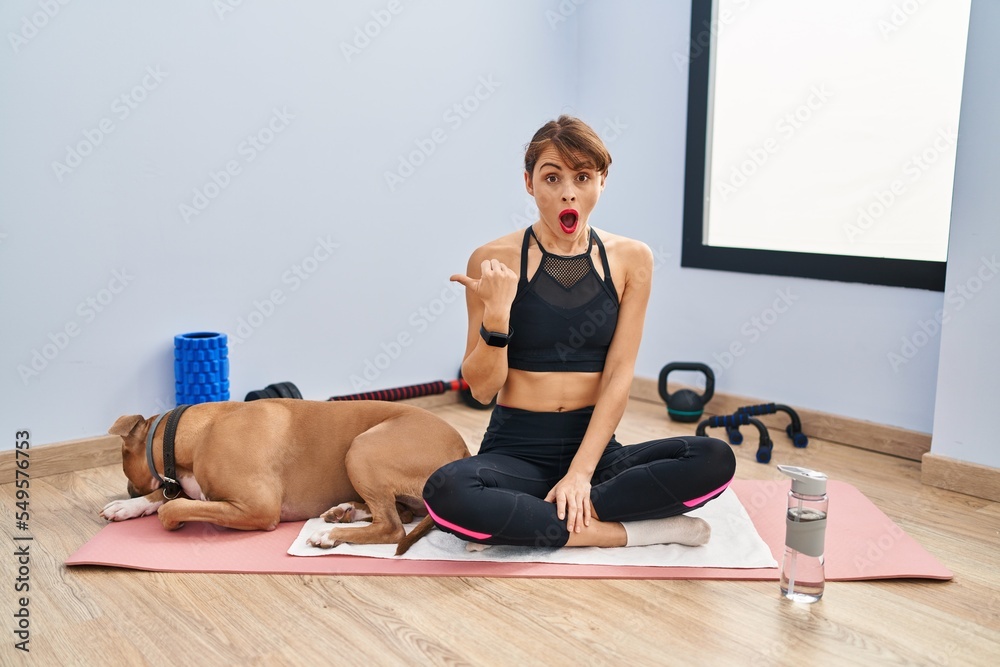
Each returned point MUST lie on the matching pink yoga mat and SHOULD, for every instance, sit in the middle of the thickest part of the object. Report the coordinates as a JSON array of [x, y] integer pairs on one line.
[[862, 543]]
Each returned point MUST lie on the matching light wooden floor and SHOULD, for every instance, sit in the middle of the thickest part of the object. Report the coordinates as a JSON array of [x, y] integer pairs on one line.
[[94, 616]]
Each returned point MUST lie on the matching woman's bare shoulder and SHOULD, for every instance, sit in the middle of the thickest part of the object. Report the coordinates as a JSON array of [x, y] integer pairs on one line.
[[506, 249], [632, 251]]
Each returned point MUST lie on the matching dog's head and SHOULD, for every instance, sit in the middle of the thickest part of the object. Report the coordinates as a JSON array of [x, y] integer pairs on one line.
[[133, 430]]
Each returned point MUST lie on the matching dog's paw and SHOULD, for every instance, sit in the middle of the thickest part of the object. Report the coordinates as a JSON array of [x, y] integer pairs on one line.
[[345, 513], [323, 539], [168, 517], [473, 547], [342, 513], [122, 510]]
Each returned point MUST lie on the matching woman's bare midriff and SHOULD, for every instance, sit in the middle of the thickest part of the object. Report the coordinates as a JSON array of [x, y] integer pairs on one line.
[[549, 391]]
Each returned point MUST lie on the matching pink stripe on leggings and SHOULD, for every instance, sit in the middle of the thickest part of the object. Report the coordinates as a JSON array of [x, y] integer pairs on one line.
[[448, 524], [698, 501]]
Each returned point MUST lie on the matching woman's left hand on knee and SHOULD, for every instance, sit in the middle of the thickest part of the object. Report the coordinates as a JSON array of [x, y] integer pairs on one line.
[[572, 498]]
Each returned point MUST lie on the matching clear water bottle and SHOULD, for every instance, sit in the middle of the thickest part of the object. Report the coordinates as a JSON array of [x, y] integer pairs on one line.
[[802, 575]]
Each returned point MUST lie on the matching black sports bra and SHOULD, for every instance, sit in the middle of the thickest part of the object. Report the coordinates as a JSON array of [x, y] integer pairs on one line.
[[563, 319]]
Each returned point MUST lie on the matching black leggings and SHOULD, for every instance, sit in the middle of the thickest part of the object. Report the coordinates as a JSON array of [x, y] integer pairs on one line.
[[496, 496]]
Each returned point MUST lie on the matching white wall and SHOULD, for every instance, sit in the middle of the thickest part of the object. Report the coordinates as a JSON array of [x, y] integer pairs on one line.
[[967, 390], [831, 348], [219, 78], [618, 65]]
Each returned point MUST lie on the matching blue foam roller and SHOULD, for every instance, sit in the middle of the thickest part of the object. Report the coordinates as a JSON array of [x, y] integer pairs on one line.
[[201, 367]]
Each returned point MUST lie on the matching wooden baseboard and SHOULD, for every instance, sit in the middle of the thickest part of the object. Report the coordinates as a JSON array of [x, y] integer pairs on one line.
[[965, 477], [63, 457], [844, 430]]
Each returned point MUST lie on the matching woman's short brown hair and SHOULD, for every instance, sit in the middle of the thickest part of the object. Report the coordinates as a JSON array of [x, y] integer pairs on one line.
[[576, 142]]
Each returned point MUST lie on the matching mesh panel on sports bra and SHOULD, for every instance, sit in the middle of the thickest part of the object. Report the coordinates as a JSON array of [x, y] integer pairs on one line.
[[553, 290], [567, 271]]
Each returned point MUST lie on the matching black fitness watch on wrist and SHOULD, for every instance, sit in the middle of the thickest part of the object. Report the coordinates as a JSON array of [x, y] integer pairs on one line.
[[493, 338]]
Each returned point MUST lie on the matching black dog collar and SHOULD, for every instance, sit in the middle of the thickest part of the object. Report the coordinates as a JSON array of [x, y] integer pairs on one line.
[[171, 487]]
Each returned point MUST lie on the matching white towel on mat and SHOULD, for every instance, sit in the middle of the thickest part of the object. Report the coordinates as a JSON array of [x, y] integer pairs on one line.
[[735, 543]]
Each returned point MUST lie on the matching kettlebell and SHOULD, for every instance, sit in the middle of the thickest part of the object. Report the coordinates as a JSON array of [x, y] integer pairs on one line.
[[685, 405]]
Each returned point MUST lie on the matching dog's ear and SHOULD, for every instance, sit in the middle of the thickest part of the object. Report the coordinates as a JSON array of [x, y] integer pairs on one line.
[[125, 425]]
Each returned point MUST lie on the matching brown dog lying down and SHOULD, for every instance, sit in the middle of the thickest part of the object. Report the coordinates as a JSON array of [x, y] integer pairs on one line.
[[250, 465]]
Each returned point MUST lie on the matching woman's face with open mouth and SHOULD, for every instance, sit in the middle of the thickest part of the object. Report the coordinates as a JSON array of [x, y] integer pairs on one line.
[[565, 196]]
